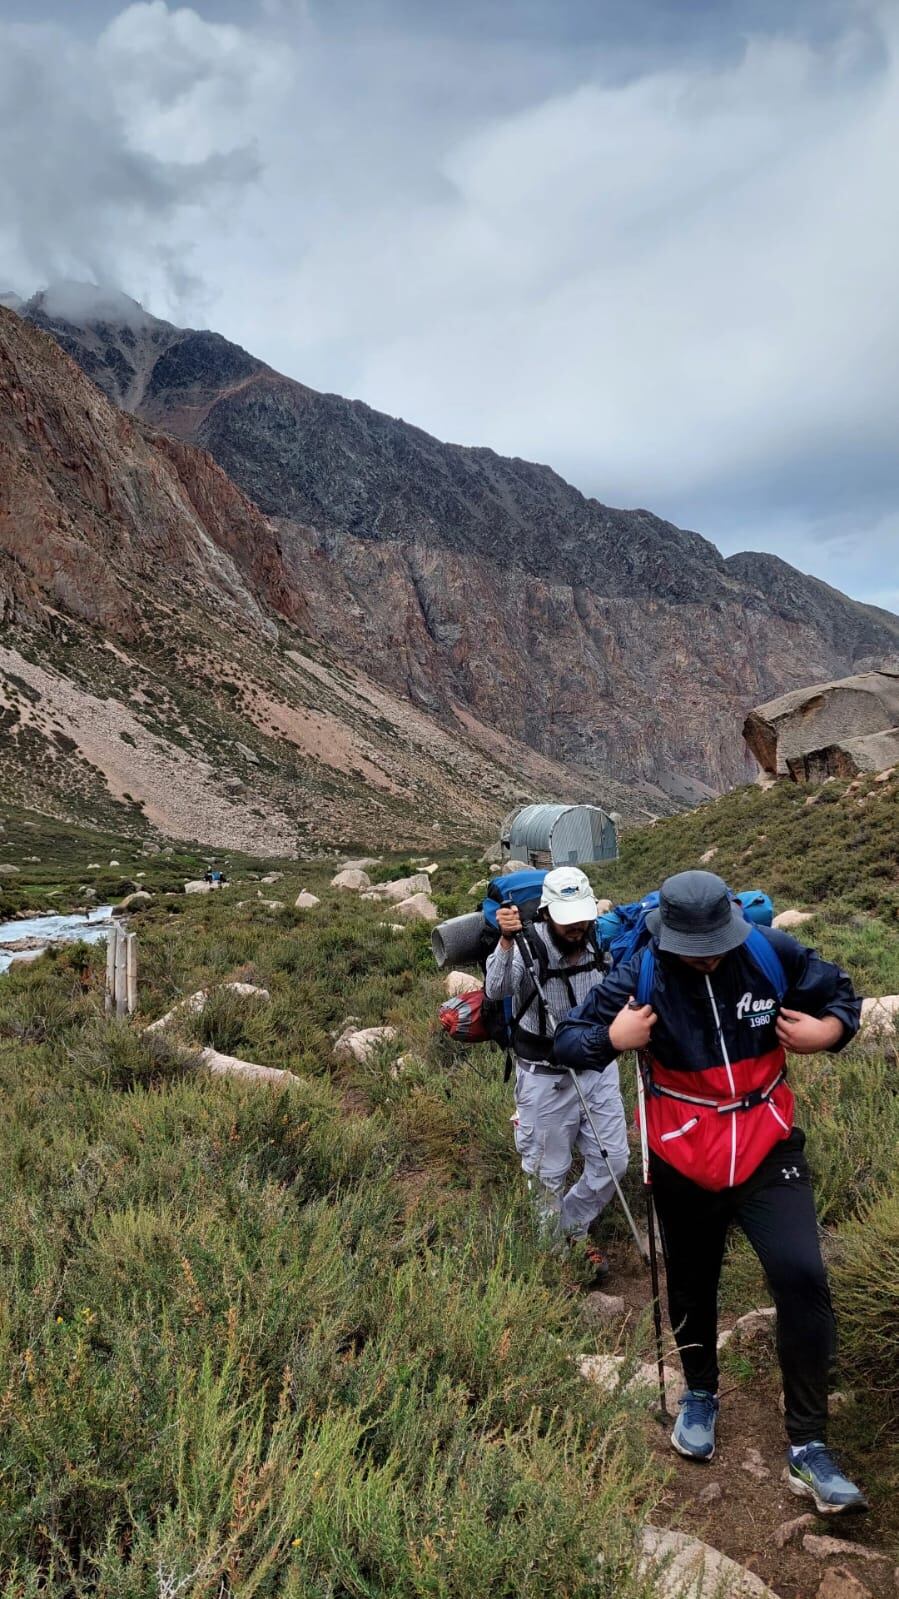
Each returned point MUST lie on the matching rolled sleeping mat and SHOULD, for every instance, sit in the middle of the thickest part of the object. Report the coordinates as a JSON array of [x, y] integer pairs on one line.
[[458, 940]]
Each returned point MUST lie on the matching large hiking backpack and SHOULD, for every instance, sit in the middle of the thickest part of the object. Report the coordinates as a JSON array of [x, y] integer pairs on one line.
[[513, 888], [472, 1018], [760, 951], [758, 907], [622, 930]]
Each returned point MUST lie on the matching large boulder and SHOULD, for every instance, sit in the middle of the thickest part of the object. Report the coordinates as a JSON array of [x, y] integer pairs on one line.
[[352, 877], [686, 1568], [401, 887], [832, 729], [198, 885], [880, 1014], [361, 1043], [418, 908], [134, 902]]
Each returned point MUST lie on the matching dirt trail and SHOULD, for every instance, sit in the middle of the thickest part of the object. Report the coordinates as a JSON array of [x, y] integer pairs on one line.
[[743, 1520]]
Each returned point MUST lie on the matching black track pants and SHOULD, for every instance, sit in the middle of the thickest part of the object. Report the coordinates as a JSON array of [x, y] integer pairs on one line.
[[776, 1211]]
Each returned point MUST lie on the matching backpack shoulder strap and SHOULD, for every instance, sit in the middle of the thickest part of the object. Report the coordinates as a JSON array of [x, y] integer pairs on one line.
[[647, 977], [765, 957]]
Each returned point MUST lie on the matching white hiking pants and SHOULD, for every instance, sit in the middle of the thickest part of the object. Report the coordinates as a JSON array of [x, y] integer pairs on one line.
[[550, 1125]]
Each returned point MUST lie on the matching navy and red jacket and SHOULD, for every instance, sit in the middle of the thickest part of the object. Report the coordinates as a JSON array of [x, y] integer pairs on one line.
[[717, 1101]]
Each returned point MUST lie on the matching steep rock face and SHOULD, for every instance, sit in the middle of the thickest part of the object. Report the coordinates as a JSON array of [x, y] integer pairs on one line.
[[829, 729], [92, 511], [157, 666], [472, 581]]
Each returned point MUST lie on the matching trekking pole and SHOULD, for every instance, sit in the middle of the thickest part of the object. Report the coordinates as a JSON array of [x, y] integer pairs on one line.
[[651, 1228], [531, 970]]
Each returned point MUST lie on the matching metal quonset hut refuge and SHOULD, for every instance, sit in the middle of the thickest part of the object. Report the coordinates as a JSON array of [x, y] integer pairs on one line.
[[560, 835]]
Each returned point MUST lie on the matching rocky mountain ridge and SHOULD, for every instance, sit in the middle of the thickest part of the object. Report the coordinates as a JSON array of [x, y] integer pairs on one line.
[[157, 669], [485, 586]]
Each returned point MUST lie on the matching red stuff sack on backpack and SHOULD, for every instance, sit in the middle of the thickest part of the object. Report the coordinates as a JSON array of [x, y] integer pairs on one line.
[[464, 1019]]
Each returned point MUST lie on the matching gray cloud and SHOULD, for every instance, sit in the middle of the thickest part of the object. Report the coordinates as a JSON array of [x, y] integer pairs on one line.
[[631, 241]]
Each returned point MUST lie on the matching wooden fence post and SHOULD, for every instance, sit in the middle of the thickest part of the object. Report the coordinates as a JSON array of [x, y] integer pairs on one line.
[[109, 1002], [130, 973], [121, 976], [121, 972]]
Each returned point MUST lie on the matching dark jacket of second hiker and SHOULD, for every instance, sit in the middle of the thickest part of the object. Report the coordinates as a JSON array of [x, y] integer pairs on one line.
[[713, 1047]]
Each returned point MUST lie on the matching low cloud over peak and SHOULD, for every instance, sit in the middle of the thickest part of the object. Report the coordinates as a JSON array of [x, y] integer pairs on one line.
[[660, 258]]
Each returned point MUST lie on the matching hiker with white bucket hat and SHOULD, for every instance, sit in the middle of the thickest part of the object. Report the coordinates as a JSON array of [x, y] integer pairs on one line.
[[552, 1119]]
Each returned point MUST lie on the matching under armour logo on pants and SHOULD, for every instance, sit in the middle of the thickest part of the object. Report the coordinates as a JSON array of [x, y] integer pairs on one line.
[[790, 1171]]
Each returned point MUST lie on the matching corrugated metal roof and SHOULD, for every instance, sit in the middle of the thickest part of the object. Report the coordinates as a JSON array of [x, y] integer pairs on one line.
[[569, 833]]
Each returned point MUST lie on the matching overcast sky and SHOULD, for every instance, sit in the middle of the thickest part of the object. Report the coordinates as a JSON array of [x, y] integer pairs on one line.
[[654, 244]]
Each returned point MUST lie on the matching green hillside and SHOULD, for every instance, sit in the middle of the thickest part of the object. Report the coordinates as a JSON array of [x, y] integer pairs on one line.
[[304, 1342]]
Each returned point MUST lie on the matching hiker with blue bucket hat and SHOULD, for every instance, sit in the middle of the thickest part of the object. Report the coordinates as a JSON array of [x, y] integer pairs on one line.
[[554, 1116], [712, 1004]]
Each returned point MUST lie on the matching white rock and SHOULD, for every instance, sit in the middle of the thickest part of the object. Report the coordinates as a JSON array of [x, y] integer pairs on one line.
[[113, 863], [94, 866], [352, 877], [711, 1493], [514, 866], [823, 1548], [708, 855], [400, 887], [268, 904], [417, 909], [271, 877], [792, 918], [461, 983], [9, 871], [362, 864], [880, 1015], [230, 1066], [360, 1044], [434, 867], [606, 1372], [197, 886], [479, 889], [687, 1568], [788, 1530], [192, 1004], [306, 901], [133, 902], [884, 777]]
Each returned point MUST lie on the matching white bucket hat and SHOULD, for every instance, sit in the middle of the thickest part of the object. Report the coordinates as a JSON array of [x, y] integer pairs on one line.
[[567, 896]]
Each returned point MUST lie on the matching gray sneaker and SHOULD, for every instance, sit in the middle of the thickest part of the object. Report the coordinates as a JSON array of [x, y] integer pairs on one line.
[[694, 1429], [814, 1474]]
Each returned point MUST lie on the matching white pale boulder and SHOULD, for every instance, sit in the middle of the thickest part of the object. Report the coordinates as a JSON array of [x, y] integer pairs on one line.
[[360, 1043], [792, 918], [419, 908], [461, 983], [352, 877]]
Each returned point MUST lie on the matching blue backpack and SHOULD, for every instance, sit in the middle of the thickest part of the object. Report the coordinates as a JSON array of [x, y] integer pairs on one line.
[[515, 888], [622, 931], [761, 953], [758, 907]]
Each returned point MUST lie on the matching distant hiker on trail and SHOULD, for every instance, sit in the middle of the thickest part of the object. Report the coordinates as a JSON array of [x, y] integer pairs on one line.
[[550, 1123], [715, 1005]]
